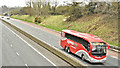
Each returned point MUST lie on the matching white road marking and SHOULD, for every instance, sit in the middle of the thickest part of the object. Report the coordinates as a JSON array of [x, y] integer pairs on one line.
[[17, 53], [11, 45], [26, 65], [115, 50], [31, 46], [114, 57]]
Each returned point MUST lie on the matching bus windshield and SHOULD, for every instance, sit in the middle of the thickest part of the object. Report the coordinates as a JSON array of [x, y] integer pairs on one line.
[[99, 49]]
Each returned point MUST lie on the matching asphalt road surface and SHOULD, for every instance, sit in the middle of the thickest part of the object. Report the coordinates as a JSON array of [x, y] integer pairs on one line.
[[54, 40], [18, 50]]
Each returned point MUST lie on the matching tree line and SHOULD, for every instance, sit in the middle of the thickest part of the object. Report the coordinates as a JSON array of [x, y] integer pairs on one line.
[[72, 11]]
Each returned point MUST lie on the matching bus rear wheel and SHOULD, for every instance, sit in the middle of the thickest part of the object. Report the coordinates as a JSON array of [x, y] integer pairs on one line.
[[65, 48]]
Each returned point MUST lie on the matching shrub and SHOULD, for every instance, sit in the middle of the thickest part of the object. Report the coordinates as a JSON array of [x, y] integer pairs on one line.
[[37, 19]]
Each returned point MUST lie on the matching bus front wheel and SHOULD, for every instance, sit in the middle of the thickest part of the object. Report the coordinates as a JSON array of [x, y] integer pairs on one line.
[[83, 57]]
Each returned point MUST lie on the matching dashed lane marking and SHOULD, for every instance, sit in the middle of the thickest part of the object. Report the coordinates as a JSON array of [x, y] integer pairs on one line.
[[31, 46], [26, 65], [11, 45], [17, 53]]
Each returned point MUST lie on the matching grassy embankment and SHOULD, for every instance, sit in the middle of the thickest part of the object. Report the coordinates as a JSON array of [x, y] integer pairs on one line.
[[100, 25]]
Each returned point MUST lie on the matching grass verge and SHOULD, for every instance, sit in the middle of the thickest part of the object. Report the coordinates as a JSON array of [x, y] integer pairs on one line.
[[100, 25]]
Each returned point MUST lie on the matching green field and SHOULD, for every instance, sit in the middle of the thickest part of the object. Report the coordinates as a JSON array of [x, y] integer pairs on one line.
[[101, 25]]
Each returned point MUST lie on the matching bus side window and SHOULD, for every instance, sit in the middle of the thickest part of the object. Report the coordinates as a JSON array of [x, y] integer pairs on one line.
[[85, 43], [88, 47], [67, 36], [78, 40]]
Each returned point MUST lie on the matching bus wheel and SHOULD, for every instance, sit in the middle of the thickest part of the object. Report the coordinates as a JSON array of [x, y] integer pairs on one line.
[[65, 48], [68, 50], [83, 57]]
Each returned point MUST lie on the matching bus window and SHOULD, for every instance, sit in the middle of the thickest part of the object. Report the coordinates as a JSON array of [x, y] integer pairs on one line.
[[99, 48], [69, 36], [78, 40]]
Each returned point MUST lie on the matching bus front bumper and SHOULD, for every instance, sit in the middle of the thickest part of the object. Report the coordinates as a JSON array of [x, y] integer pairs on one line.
[[92, 60]]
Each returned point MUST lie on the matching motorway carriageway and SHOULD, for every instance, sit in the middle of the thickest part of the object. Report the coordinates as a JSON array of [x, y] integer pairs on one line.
[[18, 50], [54, 40]]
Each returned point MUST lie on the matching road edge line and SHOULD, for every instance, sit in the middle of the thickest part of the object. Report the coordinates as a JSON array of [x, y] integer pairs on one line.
[[69, 59]]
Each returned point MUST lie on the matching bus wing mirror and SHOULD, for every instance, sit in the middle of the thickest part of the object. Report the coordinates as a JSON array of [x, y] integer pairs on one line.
[[90, 48], [62, 34], [108, 46]]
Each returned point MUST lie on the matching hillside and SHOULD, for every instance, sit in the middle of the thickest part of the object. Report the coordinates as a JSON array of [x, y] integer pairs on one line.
[[104, 26]]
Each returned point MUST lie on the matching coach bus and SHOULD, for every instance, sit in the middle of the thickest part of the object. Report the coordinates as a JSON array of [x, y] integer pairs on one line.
[[88, 47]]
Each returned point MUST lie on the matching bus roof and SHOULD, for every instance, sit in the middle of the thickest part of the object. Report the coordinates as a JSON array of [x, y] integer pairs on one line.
[[87, 37]]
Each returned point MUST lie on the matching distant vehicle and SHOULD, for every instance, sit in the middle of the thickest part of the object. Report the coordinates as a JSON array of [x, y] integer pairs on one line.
[[2, 17], [8, 17], [88, 47]]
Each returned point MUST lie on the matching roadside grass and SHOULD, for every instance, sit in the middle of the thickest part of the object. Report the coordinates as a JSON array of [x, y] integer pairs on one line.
[[100, 25], [55, 22], [24, 18]]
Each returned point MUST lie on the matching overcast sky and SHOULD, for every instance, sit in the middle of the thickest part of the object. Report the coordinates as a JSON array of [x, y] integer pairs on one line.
[[12, 3], [21, 3]]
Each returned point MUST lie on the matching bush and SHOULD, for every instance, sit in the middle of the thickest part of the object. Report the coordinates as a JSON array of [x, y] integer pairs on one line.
[[37, 19], [70, 18]]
